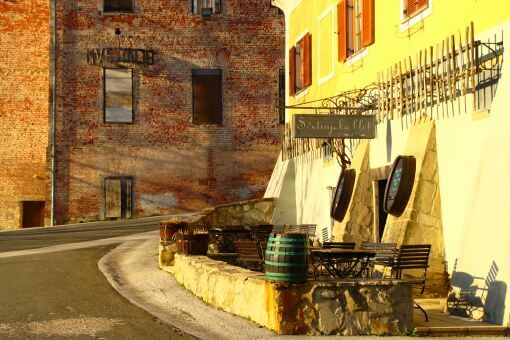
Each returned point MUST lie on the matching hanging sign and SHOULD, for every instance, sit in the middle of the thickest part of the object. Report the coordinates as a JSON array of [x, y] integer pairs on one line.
[[99, 56], [400, 185], [334, 126], [343, 194]]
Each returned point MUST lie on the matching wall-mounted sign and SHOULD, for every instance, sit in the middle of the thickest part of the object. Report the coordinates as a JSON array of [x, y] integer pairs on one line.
[[333, 126], [400, 184], [99, 56], [343, 194]]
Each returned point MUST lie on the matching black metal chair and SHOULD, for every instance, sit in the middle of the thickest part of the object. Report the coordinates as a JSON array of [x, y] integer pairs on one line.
[[413, 257], [325, 235], [384, 257], [248, 253]]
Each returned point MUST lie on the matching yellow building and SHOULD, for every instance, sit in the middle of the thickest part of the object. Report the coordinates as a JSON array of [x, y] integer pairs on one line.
[[432, 73]]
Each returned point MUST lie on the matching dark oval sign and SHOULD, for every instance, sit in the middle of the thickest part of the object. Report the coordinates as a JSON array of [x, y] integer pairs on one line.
[[400, 185], [343, 194]]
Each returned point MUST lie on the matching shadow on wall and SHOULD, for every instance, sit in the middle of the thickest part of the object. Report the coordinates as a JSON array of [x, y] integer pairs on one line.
[[476, 297]]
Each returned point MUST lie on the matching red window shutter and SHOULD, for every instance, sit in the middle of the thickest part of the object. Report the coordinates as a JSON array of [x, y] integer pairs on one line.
[[307, 81], [413, 6], [342, 30], [368, 16], [292, 71]]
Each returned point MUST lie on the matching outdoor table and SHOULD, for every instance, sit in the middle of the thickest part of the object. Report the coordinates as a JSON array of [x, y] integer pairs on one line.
[[341, 263]]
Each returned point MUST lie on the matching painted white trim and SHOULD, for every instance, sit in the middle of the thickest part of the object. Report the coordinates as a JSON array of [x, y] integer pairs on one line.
[[301, 36], [356, 57], [407, 22], [301, 93], [323, 15]]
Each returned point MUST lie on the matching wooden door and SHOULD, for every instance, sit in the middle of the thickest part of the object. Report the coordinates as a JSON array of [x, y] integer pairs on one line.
[[32, 214], [118, 197]]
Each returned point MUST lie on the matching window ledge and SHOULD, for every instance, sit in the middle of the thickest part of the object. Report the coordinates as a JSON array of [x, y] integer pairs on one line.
[[353, 59], [415, 18], [326, 78], [301, 93]]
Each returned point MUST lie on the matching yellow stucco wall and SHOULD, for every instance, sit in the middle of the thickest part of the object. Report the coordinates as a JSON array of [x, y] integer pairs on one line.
[[391, 45]]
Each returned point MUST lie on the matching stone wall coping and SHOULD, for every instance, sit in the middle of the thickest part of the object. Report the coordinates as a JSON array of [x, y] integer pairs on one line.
[[256, 200], [214, 265]]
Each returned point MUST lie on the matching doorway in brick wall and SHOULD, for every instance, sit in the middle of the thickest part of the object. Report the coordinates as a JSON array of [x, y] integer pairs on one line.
[[32, 214], [118, 197]]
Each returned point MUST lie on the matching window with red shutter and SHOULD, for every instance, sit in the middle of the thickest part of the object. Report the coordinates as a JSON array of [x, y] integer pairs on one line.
[[300, 65], [356, 26], [307, 62], [292, 71], [414, 6]]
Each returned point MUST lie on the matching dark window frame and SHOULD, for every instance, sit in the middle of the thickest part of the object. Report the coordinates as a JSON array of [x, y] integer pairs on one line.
[[132, 96], [122, 10], [216, 3], [282, 92], [206, 72]]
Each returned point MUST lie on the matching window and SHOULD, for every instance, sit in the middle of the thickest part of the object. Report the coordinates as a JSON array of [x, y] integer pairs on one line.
[[300, 65], [412, 7], [206, 7], [355, 26], [118, 5], [118, 96], [207, 97], [118, 197], [281, 96]]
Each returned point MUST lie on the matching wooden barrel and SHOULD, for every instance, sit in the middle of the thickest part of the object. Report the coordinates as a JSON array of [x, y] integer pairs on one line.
[[286, 257]]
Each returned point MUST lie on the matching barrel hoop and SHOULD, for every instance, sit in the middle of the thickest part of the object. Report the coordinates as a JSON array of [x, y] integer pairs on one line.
[[284, 245], [290, 240], [268, 274], [280, 264], [271, 252]]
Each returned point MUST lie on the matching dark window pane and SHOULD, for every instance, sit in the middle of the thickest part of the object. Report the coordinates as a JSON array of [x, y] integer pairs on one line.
[[207, 97], [118, 5], [215, 5], [281, 96]]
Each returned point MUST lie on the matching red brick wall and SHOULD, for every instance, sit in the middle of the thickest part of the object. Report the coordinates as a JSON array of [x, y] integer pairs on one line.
[[176, 165], [24, 56]]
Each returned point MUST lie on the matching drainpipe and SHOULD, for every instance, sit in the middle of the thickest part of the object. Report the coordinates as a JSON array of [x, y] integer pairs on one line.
[[53, 113]]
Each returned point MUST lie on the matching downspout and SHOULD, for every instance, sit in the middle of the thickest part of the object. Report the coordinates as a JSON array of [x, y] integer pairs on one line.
[[53, 114]]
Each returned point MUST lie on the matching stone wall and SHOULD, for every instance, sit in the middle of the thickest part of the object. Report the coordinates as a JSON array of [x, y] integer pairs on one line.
[[421, 221], [245, 213], [24, 105], [379, 307], [357, 225]]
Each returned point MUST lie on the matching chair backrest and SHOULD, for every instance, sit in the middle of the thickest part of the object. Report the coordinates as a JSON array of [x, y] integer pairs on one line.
[[339, 245], [325, 236], [385, 253], [263, 247], [413, 256], [247, 251]]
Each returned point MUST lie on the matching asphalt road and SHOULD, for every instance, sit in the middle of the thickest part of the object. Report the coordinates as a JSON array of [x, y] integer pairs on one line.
[[63, 294], [51, 236]]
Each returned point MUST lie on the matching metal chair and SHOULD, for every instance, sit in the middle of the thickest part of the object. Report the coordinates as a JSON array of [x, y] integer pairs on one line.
[[325, 236], [248, 253], [413, 257], [384, 257]]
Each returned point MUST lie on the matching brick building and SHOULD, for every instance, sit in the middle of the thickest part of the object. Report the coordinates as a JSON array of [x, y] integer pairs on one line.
[[162, 106], [24, 105]]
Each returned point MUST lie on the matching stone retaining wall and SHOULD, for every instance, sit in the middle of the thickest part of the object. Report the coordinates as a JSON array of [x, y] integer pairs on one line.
[[329, 308]]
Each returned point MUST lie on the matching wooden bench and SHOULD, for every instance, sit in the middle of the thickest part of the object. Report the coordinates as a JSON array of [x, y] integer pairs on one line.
[[339, 245], [385, 255]]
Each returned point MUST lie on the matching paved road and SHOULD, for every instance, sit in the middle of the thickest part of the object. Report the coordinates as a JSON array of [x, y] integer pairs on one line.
[[63, 294], [45, 237]]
